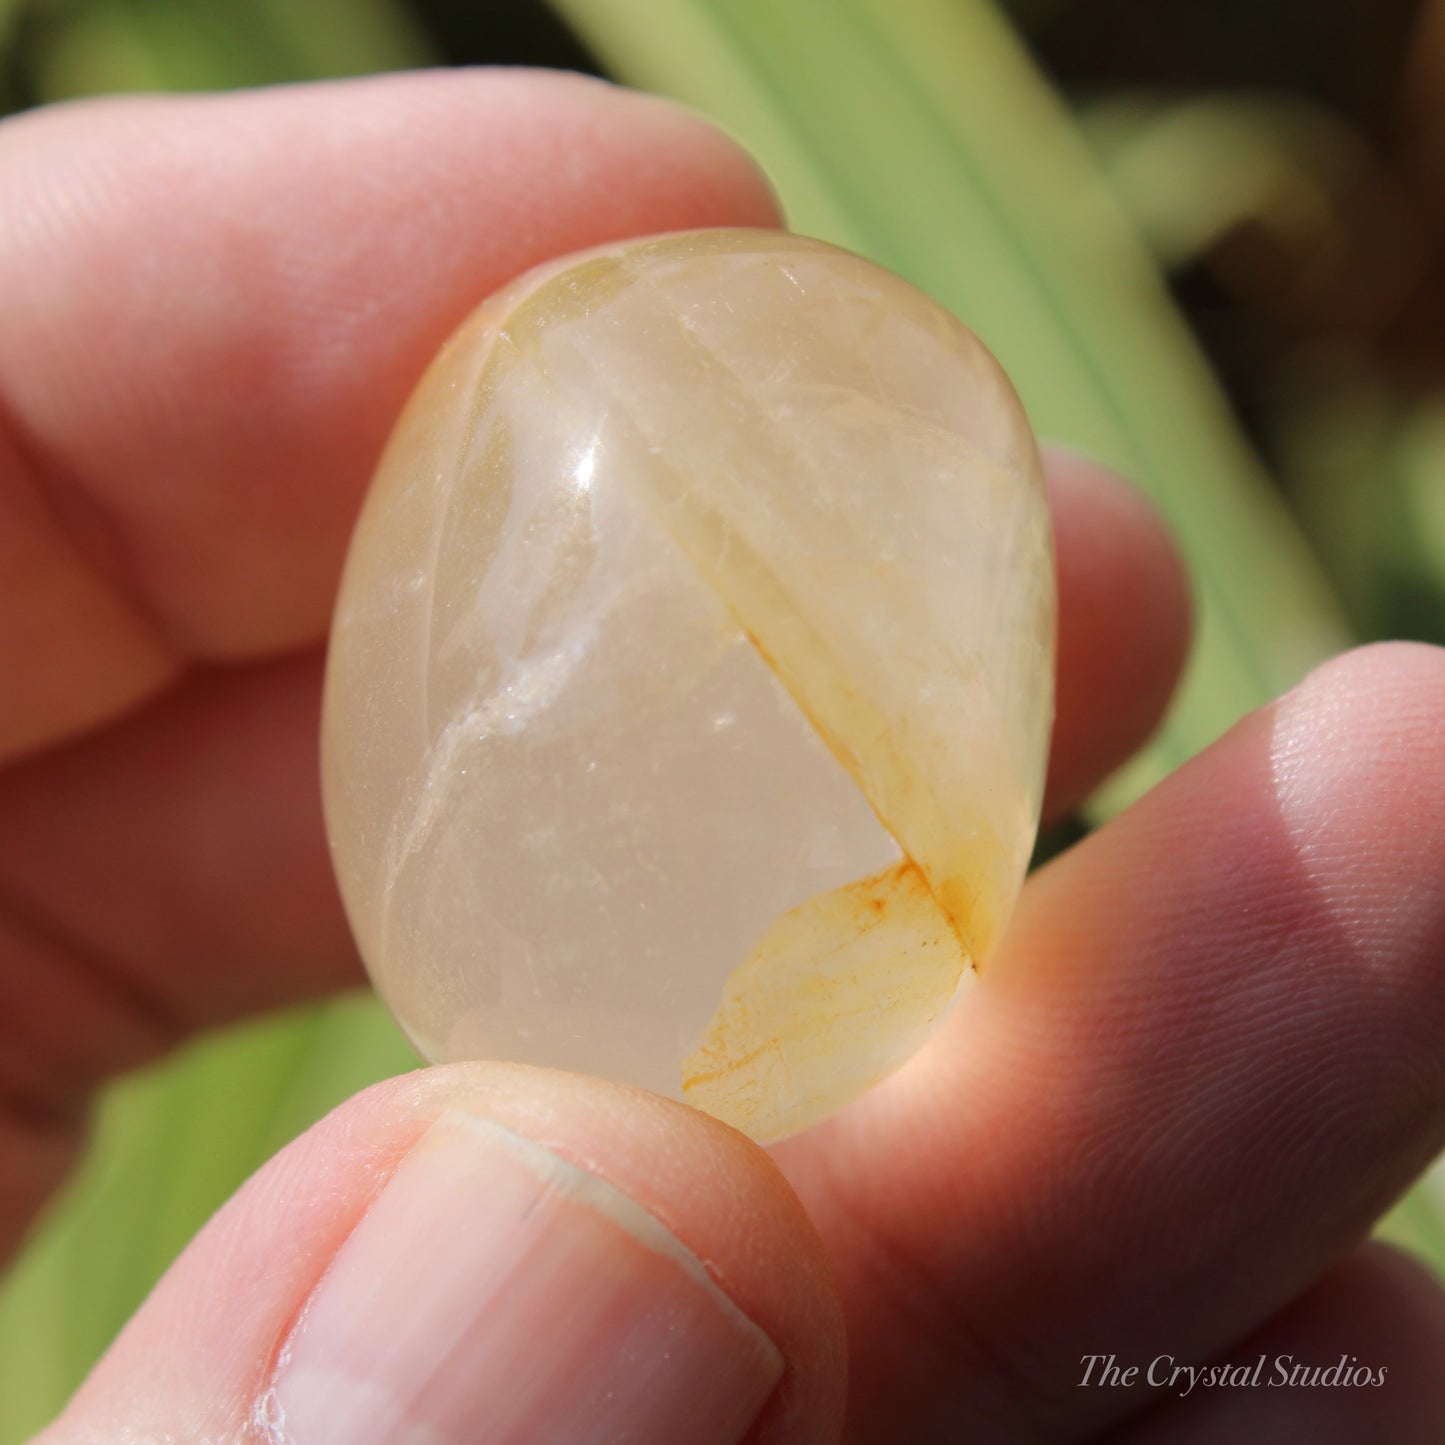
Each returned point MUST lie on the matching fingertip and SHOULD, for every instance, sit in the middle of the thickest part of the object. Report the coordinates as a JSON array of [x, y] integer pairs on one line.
[[1357, 769], [1357, 764], [1384, 701], [717, 171], [1125, 623]]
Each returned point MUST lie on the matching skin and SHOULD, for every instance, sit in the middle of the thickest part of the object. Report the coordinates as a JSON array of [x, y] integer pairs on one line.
[[1210, 1053]]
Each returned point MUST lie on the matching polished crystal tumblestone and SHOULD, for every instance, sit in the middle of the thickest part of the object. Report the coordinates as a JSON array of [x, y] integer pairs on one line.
[[691, 678]]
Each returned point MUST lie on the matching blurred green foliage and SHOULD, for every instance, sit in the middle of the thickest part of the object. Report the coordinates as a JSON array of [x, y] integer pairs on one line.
[[919, 132], [1285, 164], [90, 47]]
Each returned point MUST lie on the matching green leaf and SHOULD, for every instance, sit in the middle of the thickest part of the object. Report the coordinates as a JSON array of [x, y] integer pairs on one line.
[[9, 11]]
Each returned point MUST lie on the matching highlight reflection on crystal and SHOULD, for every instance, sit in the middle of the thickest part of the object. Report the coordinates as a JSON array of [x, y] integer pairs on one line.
[[691, 679]]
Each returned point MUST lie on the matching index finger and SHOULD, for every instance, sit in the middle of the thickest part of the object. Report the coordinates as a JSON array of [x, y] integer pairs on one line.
[[214, 308]]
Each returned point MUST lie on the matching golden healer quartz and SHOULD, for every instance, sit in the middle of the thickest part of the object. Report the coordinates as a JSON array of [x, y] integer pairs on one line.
[[691, 679]]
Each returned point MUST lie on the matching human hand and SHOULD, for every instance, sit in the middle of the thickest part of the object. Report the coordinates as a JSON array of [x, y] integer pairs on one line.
[[1207, 1057]]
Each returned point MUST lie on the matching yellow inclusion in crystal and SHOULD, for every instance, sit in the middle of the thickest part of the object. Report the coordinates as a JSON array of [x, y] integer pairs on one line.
[[828, 975]]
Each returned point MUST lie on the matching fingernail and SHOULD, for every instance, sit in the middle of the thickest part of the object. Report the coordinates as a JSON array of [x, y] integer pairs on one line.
[[495, 1292]]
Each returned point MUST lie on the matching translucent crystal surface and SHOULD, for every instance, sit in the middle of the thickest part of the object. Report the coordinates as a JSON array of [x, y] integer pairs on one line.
[[691, 679]]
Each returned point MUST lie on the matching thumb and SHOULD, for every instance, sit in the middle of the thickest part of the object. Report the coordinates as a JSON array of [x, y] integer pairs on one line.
[[480, 1254]]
